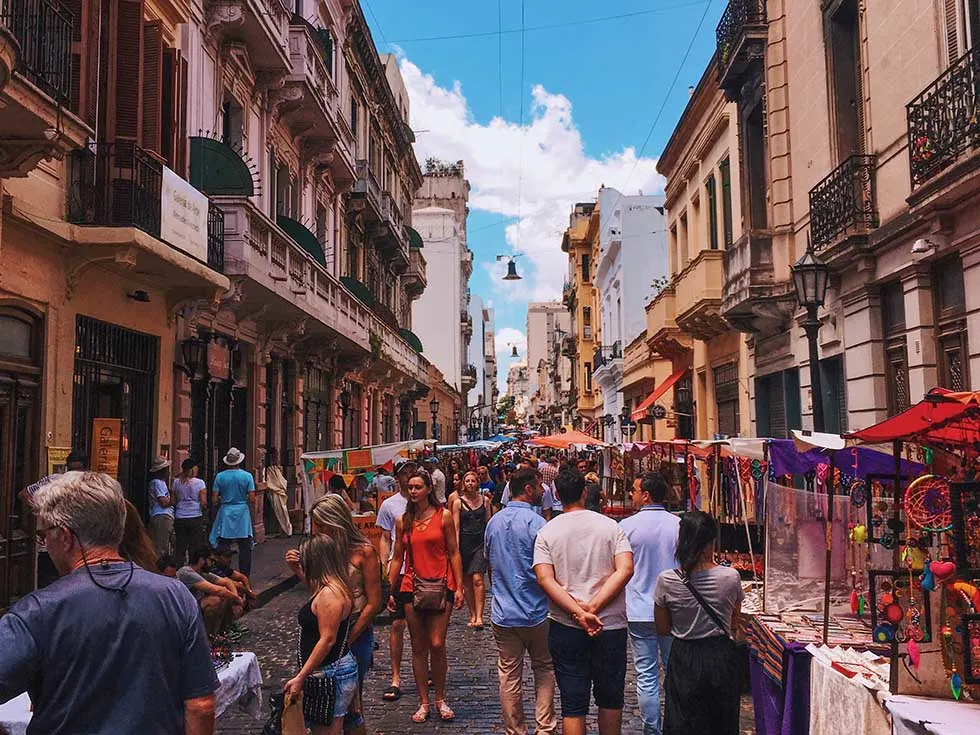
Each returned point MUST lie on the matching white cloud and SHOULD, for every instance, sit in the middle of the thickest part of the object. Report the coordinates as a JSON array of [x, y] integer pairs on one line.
[[534, 173]]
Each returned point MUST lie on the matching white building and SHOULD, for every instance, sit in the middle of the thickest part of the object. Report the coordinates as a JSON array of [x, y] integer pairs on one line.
[[632, 255], [519, 388], [482, 399], [545, 319]]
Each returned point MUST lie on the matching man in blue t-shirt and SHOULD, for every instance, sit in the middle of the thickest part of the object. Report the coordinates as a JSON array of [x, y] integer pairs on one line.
[[109, 647]]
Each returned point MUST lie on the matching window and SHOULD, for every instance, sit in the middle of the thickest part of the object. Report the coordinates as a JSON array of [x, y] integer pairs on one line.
[[755, 170], [712, 196], [232, 123], [283, 191], [316, 410], [353, 117], [726, 398], [777, 403], [961, 26], [847, 97], [951, 339], [682, 242], [725, 167], [896, 354], [586, 274], [587, 322], [587, 369], [834, 386]]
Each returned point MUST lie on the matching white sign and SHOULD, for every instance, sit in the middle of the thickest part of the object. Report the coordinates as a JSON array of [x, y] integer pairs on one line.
[[183, 216]]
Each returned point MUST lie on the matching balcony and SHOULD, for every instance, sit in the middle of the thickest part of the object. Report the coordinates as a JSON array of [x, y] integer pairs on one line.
[[944, 135], [843, 207], [607, 362], [568, 294], [466, 322], [468, 377], [216, 238], [262, 27], [367, 188], [569, 347], [312, 108], [394, 239], [274, 263], [698, 291], [753, 299], [35, 79], [414, 279], [741, 38], [664, 338]]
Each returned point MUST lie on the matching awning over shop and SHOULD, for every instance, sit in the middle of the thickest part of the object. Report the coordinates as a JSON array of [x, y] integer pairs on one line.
[[564, 441], [942, 418], [641, 410]]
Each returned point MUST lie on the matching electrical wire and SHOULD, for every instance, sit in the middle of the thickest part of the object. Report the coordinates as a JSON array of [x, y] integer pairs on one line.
[[520, 154], [551, 26], [377, 24]]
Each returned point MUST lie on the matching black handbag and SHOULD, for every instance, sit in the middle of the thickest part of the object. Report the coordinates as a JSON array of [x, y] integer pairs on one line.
[[740, 649], [273, 725]]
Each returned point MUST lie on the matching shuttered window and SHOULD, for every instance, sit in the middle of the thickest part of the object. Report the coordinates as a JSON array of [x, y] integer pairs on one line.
[[152, 86], [951, 338], [126, 108], [844, 45], [712, 195], [726, 200], [174, 111], [896, 353], [961, 27]]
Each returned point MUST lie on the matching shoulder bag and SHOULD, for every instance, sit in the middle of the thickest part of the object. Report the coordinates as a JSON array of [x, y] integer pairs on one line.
[[428, 595]]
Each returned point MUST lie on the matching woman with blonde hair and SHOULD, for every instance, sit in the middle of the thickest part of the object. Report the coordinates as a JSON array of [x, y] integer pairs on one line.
[[331, 517], [471, 513], [328, 671]]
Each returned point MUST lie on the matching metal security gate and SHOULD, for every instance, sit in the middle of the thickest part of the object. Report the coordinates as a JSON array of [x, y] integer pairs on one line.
[[116, 377]]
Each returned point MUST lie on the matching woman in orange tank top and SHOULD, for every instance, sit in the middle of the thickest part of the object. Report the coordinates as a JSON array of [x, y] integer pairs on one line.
[[426, 538]]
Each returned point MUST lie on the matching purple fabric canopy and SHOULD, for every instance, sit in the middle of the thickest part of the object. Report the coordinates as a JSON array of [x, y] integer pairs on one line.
[[786, 460]]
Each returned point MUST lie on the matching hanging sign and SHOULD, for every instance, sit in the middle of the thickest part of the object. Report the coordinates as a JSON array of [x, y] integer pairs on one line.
[[58, 460], [106, 446], [219, 361], [183, 216]]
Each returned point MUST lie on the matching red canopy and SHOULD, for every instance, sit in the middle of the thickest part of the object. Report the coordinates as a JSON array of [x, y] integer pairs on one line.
[[641, 411], [563, 441], [942, 418]]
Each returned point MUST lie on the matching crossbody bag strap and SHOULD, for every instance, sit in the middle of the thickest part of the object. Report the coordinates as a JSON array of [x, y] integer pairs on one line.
[[715, 617]]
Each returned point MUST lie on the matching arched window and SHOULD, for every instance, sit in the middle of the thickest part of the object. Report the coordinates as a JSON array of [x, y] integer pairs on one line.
[[19, 340]]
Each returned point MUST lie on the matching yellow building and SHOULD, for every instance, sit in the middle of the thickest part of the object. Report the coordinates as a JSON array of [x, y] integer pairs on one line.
[[579, 297], [684, 321]]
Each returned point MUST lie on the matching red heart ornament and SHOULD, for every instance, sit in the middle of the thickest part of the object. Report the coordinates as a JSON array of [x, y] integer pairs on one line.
[[942, 570]]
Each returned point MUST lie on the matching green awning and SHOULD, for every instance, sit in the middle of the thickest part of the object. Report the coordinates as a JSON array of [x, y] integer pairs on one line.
[[301, 235], [409, 133], [357, 288], [413, 341], [414, 238], [217, 169]]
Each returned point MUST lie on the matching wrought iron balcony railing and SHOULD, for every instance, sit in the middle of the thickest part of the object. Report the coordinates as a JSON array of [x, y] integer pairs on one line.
[[944, 120], [605, 355], [844, 202], [44, 31], [116, 184], [216, 238], [737, 17]]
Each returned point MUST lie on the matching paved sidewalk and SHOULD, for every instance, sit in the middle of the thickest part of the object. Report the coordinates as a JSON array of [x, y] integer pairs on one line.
[[270, 576], [472, 689]]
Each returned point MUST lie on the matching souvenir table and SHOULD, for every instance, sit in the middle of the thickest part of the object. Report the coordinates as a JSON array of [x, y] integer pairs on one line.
[[779, 665], [240, 681]]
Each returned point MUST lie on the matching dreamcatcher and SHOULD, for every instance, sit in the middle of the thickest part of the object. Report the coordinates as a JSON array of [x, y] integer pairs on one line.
[[927, 504]]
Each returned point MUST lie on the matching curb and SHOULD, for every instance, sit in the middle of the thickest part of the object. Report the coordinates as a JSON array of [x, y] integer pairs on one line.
[[270, 593]]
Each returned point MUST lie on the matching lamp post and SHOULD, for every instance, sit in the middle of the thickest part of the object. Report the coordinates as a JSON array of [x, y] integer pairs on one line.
[[810, 276], [434, 410], [457, 418]]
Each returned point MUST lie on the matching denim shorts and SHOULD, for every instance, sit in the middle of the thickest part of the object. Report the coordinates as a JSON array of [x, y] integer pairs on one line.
[[329, 691], [585, 665]]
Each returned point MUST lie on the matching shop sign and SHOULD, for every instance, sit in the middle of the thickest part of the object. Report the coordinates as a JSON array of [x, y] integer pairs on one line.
[[107, 443], [58, 459], [219, 361], [366, 524], [183, 216], [358, 459]]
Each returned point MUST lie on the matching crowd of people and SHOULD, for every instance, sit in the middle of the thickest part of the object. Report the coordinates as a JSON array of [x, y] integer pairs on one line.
[[571, 589]]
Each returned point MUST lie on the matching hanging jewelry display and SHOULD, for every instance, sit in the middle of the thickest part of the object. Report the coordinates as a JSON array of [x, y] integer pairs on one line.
[[970, 625], [965, 508], [882, 529], [927, 504], [895, 605]]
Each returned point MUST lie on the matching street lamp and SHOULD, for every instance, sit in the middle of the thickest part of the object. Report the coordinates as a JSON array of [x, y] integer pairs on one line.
[[810, 276], [512, 274], [434, 410], [345, 399]]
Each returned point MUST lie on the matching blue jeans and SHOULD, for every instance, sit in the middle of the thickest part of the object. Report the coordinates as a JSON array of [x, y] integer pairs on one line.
[[649, 649]]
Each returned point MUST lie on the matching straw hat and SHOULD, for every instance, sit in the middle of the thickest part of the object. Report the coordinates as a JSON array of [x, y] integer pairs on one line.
[[159, 463], [234, 457]]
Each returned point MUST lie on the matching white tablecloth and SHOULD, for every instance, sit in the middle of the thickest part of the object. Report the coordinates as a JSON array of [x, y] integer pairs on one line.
[[842, 706], [240, 681], [918, 715]]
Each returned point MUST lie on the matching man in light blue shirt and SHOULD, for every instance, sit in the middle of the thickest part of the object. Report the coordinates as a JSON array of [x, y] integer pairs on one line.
[[652, 532], [519, 614]]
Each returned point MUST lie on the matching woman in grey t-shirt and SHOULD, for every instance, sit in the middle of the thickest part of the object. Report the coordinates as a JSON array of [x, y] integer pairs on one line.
[[702, 691]]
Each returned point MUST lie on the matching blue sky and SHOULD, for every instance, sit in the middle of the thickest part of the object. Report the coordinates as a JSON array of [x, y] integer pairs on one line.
[[590, 93]]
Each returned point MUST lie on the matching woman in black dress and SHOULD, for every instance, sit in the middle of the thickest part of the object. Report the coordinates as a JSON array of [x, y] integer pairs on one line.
[[471, 512]]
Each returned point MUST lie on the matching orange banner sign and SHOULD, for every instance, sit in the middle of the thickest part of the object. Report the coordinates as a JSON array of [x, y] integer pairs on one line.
[[366, 525], [382, 497], [106, 445], [358, 459]]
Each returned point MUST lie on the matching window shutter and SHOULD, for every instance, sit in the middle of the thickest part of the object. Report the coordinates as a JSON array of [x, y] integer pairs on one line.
[[128, 62], [952, 22], [174, 111], [153, 111], [77, 21]]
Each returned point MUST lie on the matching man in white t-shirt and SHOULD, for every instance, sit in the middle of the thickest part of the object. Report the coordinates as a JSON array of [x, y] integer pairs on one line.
[[388, 514], [438, 480], [583, 561]]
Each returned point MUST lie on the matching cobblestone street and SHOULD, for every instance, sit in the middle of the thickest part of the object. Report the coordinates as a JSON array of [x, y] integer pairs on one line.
[[472, 690]]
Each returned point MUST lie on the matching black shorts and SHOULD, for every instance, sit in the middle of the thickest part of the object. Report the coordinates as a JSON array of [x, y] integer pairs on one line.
[[585, 665]]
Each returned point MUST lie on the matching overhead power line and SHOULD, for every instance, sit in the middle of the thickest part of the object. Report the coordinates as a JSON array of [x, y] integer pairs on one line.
[[551, 26]]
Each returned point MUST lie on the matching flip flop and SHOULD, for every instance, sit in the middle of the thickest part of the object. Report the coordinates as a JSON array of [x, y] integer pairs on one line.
[[392, 694]]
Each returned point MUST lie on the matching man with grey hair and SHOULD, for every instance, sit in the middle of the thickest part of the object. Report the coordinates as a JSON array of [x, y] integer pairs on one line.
[[109, 647]]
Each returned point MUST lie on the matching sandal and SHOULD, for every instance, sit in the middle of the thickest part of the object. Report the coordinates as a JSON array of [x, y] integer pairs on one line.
[[445, 713], [392, 694], [421, 714]]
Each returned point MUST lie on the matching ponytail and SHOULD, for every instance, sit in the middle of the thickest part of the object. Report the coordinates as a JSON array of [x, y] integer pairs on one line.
[[697, 532]]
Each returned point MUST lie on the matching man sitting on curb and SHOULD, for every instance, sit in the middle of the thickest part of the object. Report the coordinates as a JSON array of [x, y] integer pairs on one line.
[[221, 566], [218, 598]]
